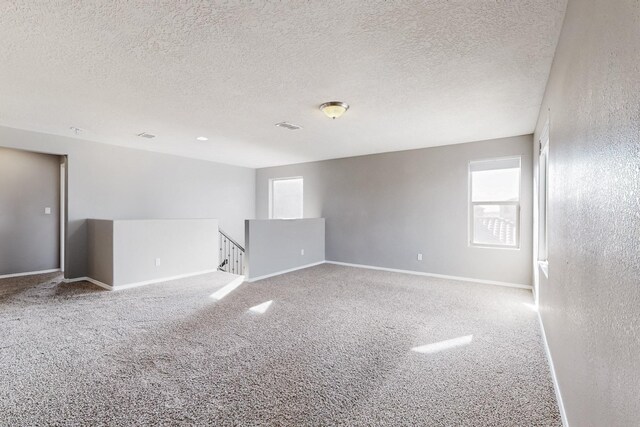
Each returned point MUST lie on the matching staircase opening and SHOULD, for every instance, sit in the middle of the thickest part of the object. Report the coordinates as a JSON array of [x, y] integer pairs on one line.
[[231, 254]]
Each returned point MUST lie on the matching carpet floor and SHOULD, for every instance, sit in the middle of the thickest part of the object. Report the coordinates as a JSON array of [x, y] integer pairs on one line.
[[325, 346]]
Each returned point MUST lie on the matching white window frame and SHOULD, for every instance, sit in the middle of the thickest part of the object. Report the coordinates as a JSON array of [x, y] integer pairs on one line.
[[543, 201], [472, 204], [271, 182]]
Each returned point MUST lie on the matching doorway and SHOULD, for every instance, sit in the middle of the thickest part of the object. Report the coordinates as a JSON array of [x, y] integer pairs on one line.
[[32, 212]]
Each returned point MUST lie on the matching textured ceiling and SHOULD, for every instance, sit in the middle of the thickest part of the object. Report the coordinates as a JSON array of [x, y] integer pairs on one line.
[[416, 73]]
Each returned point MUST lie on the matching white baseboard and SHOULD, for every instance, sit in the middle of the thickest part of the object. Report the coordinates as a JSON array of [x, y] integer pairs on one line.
[[162, 279], [136, 284], [29, 273], [254, 279], [440, 276], [90, 280], [556, 386]]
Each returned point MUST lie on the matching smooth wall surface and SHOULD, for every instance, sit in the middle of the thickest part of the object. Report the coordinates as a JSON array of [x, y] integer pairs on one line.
[[125, 252], [384, 209], [110, 182], [183, 246], [276, 245], [29, 238], [590, 303], [100, 250]]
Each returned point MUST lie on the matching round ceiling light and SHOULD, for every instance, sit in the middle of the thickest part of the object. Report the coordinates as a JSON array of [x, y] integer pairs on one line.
[[334, 109], [202, 138]]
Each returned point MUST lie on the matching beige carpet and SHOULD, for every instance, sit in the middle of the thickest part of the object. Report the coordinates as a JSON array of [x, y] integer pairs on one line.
[[336, 346]]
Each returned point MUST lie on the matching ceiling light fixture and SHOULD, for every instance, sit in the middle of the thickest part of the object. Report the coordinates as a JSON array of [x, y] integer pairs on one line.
[[202, 138], [334, 109]]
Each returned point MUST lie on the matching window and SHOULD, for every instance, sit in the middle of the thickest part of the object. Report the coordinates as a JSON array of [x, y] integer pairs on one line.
[[495, 202], [543, 194], [285, 198]]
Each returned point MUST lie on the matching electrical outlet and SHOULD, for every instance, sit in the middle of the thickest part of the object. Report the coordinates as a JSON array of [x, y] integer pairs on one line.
[[301, 251], [47, 211], [419, 257], [157, 262]]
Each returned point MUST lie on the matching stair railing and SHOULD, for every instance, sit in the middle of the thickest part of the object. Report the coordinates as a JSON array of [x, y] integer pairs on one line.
[[231, 254]]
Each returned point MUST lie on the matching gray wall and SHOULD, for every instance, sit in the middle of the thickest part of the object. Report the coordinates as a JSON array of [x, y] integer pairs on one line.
[[100, 250], [112, 182], [590, 304], [384, 209], [29, 239], [184, 246], [124, 252], [275, 245]]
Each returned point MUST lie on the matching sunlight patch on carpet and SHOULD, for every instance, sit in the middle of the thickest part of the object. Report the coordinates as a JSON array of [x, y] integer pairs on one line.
[[261, 308], [443, 345], [227, 289]]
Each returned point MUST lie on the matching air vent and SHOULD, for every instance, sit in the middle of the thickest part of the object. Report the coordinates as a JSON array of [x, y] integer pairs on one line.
[[146, 135], [288, 125]]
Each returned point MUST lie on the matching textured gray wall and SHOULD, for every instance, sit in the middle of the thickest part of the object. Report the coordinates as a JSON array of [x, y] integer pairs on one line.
[[590, 304], [275, 245], [384, 209], [29, 239], [110, 182]]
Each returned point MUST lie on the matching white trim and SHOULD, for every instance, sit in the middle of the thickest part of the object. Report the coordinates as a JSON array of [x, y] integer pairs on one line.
[[90, 280], [440, 276], [556, 386], [28, 273], [544, 135], [253, 279], [62, 210], [162, 279], [286, 178], [544, 266], [471, 204], [136, 284]]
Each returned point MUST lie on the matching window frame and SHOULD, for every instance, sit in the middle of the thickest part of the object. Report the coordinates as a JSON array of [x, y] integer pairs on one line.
[[472, 204], [543, 206], [271, 194], [543, 201]]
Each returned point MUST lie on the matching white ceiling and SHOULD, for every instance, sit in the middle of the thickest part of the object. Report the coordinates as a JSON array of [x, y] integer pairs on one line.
[[416, 73]]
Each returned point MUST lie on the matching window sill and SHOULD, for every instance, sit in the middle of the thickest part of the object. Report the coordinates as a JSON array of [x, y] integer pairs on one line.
[[544, 266], [510, 248]]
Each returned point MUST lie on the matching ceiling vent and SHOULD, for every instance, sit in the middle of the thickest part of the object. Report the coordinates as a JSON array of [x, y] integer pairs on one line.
[[146, 135], [288, 125]]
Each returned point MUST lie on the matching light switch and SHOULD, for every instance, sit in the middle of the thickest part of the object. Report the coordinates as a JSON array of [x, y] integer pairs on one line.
[[157, 262], [47, 211], [301, 251], [419, 257]]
